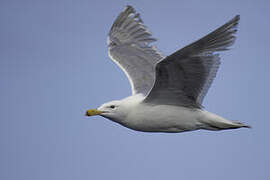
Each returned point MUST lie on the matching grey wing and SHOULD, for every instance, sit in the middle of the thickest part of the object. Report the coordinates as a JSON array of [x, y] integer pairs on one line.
[[184, 77], [129, 47]]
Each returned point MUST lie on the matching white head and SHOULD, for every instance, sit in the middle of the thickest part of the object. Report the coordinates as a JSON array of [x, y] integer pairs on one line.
[[113, 110], [116, 111]]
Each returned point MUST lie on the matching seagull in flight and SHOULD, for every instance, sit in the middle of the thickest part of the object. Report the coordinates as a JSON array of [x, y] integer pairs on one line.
[[167, 91]]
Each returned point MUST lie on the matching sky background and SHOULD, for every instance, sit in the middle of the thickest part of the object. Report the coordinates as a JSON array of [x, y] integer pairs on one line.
[[54, 66]]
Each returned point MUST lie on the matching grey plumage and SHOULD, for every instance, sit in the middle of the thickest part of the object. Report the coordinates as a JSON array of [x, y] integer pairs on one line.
[[184, 77], [129, 48]]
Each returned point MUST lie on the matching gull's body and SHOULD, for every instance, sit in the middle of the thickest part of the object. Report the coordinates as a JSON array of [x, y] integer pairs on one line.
[[167, 92], [139, 116]]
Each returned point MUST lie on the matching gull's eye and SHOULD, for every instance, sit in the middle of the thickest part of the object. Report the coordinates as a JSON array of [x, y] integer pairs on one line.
[[112, 106]]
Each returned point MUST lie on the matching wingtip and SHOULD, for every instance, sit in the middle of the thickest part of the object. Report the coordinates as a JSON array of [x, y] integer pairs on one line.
[[237, 17], [129, 8]]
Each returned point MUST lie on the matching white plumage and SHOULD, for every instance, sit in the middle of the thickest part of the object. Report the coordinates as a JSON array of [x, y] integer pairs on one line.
[[167, 92]]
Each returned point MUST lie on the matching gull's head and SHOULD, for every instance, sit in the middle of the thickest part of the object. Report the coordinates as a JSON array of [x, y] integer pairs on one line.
[[117, 111], [114, 110]]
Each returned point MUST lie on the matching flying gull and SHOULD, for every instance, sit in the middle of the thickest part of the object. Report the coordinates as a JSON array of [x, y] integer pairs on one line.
[[167, 91]]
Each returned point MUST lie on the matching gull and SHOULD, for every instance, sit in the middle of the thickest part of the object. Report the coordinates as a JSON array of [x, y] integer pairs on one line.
[[167, 91]]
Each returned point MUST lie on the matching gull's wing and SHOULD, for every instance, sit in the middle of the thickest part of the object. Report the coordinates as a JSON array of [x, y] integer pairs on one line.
[[184, 77], [129, 48]]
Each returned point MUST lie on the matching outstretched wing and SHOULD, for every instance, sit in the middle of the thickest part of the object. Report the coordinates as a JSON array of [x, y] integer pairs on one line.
[[184, 77], [129, 47]]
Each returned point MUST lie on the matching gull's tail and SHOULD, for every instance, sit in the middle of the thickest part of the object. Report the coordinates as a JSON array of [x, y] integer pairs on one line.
[[240, 125], [214, 122]]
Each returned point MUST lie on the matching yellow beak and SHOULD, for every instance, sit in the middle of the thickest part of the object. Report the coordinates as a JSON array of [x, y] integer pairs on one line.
[[93, 112]]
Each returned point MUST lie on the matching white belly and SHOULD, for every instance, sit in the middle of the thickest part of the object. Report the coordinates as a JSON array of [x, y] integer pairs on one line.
[[163, 118]]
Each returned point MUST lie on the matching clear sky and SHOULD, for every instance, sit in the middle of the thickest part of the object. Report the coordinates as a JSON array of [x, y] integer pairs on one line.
[[54, 66]]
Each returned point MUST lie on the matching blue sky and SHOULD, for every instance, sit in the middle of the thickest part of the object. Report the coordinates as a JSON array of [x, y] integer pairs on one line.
[[54, 66]]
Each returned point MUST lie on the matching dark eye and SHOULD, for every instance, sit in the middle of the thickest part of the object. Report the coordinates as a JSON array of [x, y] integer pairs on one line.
[[112, 106]]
